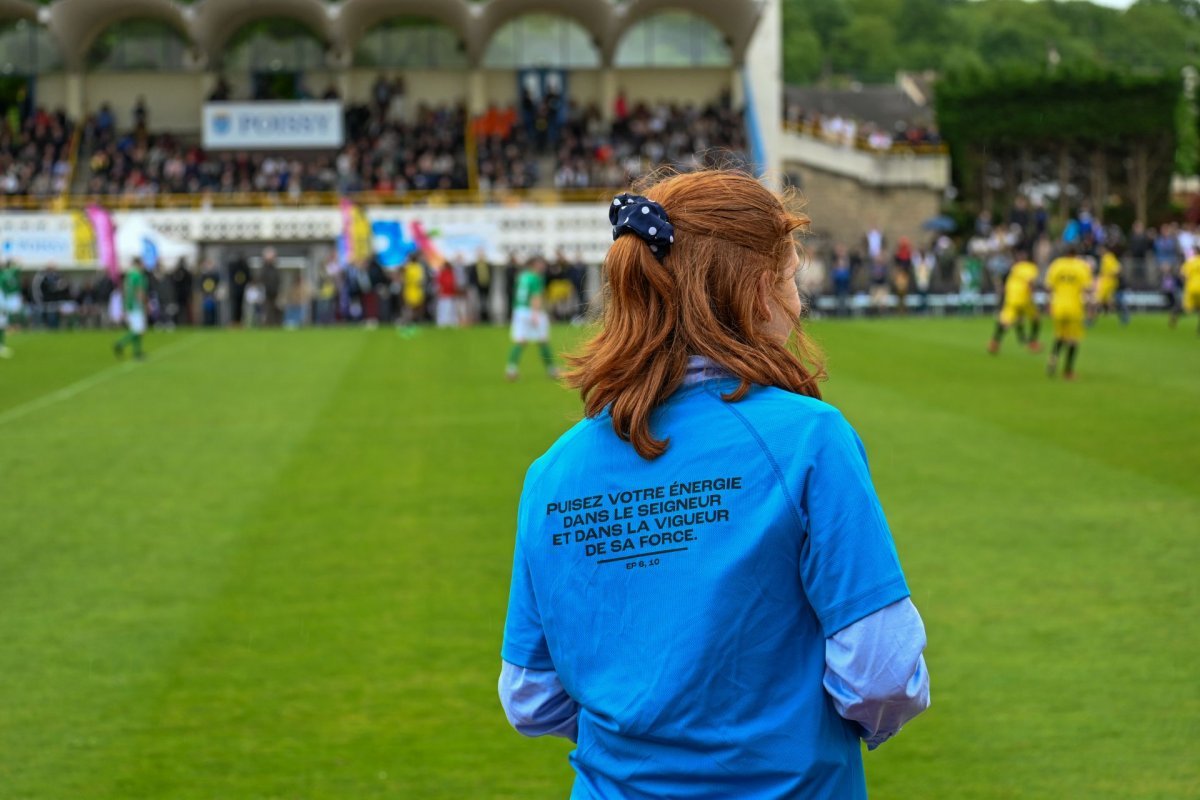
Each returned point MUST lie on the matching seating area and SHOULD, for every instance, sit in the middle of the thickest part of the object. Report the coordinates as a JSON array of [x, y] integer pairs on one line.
[[34, 153]]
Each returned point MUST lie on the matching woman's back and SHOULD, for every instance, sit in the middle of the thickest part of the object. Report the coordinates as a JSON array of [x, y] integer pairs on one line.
[[684, 606], [705, 594]]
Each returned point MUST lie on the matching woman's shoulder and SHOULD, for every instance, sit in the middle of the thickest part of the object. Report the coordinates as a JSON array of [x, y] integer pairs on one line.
[[567, 442], [775, 405], [792, 423]]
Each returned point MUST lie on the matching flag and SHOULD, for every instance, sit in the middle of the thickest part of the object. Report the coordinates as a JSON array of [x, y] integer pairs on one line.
[[106, 241], [149, 253], [390, 243], [354, 245], [85, 238]]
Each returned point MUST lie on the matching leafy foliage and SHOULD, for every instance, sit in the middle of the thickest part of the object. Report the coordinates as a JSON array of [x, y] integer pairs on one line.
[[1084, 105], [869, 40]]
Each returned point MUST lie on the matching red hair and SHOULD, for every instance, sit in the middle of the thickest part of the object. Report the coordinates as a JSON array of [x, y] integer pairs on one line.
[[702, 299]]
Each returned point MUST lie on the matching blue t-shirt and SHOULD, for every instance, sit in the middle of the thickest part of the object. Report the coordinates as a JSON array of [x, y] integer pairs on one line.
[[684, 602]]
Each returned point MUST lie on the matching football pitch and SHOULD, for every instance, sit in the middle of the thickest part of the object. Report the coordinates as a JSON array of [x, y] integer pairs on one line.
[[275, 565]]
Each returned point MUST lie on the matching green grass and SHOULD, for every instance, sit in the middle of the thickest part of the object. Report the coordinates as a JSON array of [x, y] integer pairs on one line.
[[271, 565]]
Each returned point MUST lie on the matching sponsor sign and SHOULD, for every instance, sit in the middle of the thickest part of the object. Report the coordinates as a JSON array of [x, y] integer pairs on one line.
[[38, 248], [273, 126]]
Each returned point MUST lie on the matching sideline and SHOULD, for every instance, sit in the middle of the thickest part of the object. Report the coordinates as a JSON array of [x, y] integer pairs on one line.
[[69, 391]]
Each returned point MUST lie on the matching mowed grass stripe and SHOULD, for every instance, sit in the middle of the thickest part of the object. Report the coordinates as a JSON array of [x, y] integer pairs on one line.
[[83, 384], [1035, 587], [354, 650], [342, 639], [1133, 406], [1037, 593], [44, 362], [130, 502]]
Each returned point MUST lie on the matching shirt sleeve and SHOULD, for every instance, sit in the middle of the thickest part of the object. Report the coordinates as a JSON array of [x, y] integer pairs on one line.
[[848, 563], [536, 703], [524, 639], [875, 671]]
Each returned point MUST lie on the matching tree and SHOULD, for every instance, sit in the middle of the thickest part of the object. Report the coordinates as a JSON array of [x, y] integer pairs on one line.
[[803, 57], [1101, 118], [869, 39], [866, 49]]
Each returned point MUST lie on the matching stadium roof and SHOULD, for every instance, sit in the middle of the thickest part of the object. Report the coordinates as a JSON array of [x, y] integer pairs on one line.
[[886, 106], [209, 24]]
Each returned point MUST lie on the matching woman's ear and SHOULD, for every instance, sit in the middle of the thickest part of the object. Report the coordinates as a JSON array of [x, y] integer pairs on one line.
[[764, 295]]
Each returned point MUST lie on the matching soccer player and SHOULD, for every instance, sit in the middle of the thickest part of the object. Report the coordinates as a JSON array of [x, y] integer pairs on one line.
[[134, 295], [10, 303], [414, 291], [530, 322], [1069, 280], [1190, 272], [1018, 305], [1108, 281]]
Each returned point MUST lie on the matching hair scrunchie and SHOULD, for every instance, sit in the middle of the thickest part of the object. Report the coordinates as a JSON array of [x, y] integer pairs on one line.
[[632, 213]]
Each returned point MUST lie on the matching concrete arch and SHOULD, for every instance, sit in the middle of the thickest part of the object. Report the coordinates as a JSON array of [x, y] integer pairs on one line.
[[75, 24], [734, 18], [216, 21], [597, 18], [17, 9], [356, 17]]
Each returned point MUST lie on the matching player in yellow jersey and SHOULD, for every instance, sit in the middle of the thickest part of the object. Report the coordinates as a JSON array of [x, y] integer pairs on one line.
[[1190, 272], [1018, 305], [1108, 283], [1069, 280], [414, 280]]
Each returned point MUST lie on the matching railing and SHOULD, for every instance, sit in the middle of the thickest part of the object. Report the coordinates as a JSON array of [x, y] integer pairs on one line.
[[72, 163], [274, 200], [863, 143]]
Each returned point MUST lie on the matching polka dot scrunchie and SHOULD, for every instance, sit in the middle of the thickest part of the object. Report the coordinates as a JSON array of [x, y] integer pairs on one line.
[[632, 213]]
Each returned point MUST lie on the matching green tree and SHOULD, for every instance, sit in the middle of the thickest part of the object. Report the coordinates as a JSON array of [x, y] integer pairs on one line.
[[825, 18], [1187, 148], [925, 29], [803, 56], [866, 49]]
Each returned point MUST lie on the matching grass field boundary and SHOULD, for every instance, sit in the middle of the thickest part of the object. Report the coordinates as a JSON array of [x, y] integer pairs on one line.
[[95, 379]]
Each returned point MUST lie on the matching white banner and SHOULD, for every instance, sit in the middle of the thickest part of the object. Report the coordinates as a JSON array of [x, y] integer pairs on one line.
[[38, 248], [273, 126]]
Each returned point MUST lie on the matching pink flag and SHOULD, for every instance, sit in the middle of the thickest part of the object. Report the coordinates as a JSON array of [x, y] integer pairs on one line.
[[106, 241], [425, 244]]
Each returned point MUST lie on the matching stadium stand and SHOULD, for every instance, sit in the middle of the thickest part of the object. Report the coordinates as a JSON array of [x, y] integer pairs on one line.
[[35, 153]]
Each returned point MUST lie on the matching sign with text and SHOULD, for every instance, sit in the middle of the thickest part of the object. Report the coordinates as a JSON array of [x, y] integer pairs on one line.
[[38, 248], [273, 126]]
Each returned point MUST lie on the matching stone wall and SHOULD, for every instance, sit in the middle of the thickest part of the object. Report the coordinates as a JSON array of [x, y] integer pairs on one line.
[[842, 208]]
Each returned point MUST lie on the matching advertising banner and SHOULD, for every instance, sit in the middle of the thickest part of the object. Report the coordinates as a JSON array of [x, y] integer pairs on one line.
[[273, 126], [38, 248]]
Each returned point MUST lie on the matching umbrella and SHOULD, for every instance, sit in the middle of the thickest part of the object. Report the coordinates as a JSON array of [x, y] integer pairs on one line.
[[941, 223]]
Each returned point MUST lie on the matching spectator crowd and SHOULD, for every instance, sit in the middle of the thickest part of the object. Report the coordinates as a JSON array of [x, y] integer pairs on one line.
[[35, 158], [878, 276], [847, 131], [261, 292], [391, 148]]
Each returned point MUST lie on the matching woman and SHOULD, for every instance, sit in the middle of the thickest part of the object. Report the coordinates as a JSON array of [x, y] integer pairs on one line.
[[705, 594]]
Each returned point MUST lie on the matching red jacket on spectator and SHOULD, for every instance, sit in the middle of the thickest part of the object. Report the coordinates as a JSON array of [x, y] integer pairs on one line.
[[447, 287]]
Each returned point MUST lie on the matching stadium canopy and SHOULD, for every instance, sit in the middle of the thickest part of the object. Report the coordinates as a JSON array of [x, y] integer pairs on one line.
[[11, 10], [355, 18], [208, 25], [77, 23], [216, 21], [734, 18]]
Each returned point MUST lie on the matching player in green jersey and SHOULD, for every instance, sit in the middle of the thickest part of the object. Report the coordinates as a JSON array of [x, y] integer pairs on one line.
[[529, 320], [134, 296], [10, 303]]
